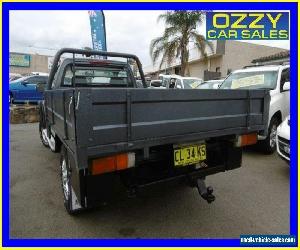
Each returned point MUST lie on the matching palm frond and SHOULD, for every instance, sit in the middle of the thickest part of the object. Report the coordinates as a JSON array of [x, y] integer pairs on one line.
[[168, 52], [201, 43], [154, 44], [181, 26]]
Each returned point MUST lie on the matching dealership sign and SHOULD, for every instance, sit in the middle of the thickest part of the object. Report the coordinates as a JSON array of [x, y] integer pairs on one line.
[[19, 60], [247, 25]]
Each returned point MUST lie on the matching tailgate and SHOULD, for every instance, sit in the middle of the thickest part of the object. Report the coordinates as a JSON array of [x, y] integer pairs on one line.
[[111, 120]]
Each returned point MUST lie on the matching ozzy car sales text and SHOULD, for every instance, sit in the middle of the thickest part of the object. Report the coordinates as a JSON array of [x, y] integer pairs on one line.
[[247, 26]]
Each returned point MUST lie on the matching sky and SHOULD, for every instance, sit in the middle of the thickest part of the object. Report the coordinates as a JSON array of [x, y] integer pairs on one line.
[[44, 32]]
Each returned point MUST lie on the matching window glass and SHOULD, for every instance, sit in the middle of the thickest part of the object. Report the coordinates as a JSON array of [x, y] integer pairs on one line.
[[109, 76], [54, 82], [285, 76], [32, 80], [22, 79], [191, 83], [251, 80], [178, 83], [41, 79], [68, 77]]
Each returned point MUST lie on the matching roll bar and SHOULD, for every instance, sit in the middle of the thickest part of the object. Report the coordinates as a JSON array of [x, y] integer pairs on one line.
[[89, 53]]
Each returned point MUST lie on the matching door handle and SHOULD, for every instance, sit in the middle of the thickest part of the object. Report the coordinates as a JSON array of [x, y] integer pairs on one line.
[[78, 99], [70, 103]]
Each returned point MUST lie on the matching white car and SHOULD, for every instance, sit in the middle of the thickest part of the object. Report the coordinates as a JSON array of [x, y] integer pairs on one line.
[[283, 139], [168, 80], [187, 82], [211, 84], [275, 78]]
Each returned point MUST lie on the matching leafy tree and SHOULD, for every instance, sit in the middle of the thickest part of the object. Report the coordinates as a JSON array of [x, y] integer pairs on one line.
[[181, 29]]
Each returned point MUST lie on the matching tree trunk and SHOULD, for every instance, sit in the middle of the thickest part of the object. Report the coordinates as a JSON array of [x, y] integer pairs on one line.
[[184, 55], [188, 70], [187, 63], [182, 61]]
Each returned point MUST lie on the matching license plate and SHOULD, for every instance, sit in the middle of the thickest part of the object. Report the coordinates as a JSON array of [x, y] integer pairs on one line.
[[188, 155]]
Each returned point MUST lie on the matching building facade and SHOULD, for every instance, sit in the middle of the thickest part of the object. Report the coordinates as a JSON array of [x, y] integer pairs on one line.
[[26, 63], [225, 57]]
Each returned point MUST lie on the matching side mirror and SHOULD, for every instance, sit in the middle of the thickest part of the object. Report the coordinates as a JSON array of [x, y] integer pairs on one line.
[[24, 83], [40, 87], [286, 86]]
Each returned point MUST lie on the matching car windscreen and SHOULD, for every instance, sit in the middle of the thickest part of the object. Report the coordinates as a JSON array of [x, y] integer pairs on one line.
[[251, 80], [101, 77], [206, 85], [13, 78], [191, 83], [165, 81], [22, 79]]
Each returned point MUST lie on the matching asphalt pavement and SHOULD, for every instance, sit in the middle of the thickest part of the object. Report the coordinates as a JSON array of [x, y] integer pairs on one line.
[[253, 199]]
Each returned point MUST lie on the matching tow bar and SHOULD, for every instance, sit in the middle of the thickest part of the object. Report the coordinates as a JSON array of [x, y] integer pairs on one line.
[[132, 192], [205, 192]]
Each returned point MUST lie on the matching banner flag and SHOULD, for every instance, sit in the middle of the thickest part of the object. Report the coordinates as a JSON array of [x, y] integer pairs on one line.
[[97, 23]]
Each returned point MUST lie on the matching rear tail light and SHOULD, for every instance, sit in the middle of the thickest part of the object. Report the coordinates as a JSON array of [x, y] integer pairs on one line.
[[244, 140], [98, 62], [112, 163]]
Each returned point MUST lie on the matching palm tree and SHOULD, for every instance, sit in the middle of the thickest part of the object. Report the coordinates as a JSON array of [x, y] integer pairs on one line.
[[179, 32]]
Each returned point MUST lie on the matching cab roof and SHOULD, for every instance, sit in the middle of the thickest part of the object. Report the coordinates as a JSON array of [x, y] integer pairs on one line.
[[92, 62]]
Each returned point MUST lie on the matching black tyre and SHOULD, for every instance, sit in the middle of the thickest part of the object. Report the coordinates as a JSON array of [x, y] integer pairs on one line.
[[70, 202], [56, 145], [42, 127], [268, 146]]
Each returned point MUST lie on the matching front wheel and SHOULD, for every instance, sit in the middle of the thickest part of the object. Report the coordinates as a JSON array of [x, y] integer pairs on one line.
[[43, 135], [70, 200], [268, 145]]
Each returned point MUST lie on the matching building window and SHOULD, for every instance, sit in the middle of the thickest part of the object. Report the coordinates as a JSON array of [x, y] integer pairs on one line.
[[177, 70], [218, 69]]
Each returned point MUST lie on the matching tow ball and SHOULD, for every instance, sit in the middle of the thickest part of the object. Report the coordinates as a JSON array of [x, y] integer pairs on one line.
[[132, 192], [205, 192]]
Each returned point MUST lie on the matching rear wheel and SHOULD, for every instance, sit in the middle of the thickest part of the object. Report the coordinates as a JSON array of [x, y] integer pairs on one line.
[[55, 144], [70, 201]]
